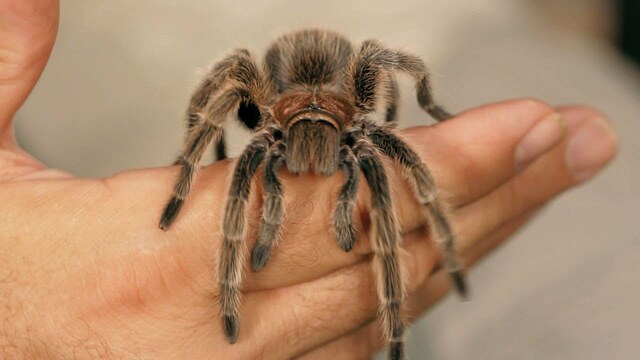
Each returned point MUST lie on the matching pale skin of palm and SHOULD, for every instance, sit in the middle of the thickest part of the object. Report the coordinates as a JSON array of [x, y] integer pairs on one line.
[[86, 272]]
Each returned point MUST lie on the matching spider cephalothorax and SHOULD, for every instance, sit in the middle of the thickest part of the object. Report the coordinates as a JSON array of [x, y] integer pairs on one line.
[[312, 106]]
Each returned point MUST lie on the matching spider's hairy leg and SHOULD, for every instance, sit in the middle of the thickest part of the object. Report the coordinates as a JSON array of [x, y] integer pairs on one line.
[[272, 209], [220, 150], [426, 192], [199, 139], [343, 215], [200, 97], [232, 252], [238, 66], [392, 96], [234, 84], [367, 70], [385, 238]]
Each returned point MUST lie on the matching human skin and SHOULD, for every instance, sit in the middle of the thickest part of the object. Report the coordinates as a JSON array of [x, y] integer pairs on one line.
[[85, 271]]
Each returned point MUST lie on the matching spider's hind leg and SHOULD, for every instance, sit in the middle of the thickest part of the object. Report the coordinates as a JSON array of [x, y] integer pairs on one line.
[[220, 150], [426, 192], [385, 238]]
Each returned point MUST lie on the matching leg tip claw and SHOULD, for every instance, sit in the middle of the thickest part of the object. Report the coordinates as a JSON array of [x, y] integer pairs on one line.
[[460, 284], [170, 212], [230, 328], [346, 245], [346, 238], [164, 224], [396, 351], [259, 257]]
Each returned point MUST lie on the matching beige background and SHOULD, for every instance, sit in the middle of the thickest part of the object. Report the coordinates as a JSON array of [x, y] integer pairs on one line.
[[567, 287]]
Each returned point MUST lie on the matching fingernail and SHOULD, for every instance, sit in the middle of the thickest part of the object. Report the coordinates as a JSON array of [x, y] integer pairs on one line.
[[591, 146], [542, 137]]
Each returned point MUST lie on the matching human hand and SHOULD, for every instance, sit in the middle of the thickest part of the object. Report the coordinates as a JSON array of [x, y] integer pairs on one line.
[[86, 272]]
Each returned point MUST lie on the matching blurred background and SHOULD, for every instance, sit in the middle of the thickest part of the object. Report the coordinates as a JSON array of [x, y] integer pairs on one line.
[[567, 287]]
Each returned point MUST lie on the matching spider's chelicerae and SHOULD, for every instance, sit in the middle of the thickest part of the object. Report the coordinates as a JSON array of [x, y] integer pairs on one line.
[[312, 107]]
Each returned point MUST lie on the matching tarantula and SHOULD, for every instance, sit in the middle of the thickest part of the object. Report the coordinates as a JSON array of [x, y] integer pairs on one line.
[[312, 107]]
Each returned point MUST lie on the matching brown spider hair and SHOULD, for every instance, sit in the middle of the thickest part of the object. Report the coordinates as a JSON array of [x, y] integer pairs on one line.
[[311, 106]]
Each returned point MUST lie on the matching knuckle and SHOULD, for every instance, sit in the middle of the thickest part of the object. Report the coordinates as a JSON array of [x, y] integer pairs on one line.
[[512, 110], [531, 104], [514, 199]]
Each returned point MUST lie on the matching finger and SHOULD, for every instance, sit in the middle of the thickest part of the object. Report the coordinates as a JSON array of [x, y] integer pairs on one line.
[[359, 344], [312, 309], [417, 255], [284, 323], [590, 144], [476, 151], [588, 151], [27, 33], [306, 314]]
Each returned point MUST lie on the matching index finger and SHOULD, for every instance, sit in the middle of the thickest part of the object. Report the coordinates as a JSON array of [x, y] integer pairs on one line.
[[477, 151]]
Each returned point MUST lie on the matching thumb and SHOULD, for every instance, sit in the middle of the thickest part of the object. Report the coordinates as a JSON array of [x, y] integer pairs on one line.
[[27, 33]]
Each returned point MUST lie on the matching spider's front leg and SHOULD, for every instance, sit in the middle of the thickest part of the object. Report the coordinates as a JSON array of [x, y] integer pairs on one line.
[[426, 192], [272, 209], [343, 215], [235, 84], [220, 150], [385, 238], [197, 142], [232, 253]]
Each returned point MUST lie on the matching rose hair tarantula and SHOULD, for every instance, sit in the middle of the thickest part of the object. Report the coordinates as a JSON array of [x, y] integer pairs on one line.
[[312, 106]]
